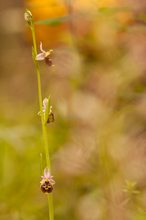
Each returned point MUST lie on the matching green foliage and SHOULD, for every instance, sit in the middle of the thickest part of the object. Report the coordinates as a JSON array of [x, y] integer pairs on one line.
[[142, 17], [112, 10], [140, 216], [53, 21], [131, 188]]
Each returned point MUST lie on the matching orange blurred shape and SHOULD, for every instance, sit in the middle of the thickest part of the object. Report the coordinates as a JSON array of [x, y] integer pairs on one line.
[[47, 9]]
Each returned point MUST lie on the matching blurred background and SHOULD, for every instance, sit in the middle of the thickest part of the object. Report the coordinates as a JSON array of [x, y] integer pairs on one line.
[[98, 92]]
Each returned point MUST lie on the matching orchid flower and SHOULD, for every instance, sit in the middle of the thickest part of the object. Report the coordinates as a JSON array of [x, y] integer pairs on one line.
[[47, 182], [50, 116], [44, 55]]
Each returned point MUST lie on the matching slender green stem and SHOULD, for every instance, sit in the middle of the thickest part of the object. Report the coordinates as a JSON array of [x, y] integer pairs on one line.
[[44, 132], [51, 207], [40, 100]]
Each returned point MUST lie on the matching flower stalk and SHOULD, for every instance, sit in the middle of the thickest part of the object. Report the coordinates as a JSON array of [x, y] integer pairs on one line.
[[29, 19]]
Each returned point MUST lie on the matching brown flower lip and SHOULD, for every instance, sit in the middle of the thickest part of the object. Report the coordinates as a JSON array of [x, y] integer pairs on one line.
[[48, 61], [47, 182], [46, 187], [51, 117]]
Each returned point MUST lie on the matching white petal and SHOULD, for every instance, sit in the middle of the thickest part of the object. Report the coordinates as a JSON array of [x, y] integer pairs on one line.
[[45, 102], [46, 173], [41, 48], [40, 56], [52, 182]]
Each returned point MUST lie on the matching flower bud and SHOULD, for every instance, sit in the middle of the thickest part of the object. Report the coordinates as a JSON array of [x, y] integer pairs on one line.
[[28, 17]]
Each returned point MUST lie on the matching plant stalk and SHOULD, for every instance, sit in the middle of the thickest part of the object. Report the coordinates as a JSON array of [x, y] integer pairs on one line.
[[44, 131]]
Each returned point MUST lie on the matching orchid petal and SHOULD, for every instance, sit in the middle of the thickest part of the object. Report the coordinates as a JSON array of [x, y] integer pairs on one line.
[[48, 53], [40, 56], [47, 173], [52, 181], [45, 102], [41, 48]]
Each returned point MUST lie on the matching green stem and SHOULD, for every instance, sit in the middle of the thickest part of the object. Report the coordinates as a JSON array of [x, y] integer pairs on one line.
[[44, 131], [40, 100]]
